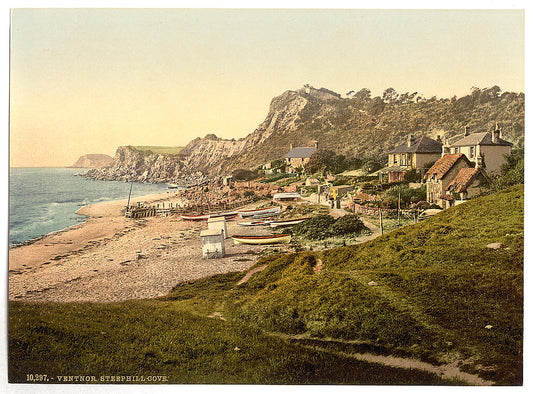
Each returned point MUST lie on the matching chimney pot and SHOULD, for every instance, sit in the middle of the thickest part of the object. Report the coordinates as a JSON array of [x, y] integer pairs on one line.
[[496, 134], [409, 140], [467, 130]]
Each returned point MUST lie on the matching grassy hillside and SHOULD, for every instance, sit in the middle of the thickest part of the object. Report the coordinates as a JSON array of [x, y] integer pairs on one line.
[[430, 291], [160, 150]]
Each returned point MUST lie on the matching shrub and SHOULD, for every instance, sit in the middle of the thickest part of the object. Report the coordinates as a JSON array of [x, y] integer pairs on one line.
[[314, 228], [347, 225], [243, 175]]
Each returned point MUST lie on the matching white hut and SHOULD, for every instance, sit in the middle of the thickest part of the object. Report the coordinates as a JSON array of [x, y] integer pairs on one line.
[[218, 223], [213, 244]]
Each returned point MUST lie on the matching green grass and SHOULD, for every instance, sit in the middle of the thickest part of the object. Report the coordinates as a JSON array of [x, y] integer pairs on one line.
[[436, 289], [162, 150], [147, 338]]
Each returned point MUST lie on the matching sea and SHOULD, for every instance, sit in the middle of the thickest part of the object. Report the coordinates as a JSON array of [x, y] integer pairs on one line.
[[45, 200]]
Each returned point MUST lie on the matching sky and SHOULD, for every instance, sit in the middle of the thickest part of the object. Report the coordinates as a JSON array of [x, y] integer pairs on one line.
[[89, 80]]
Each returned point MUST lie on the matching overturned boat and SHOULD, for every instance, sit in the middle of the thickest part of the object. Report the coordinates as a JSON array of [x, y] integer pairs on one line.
[[262, 239], [205, 216], [256, 223], [261, 211], [287, 222]]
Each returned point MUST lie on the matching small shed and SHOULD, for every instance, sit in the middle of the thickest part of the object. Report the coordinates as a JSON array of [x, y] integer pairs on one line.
[[212, 244], [218, 223], [286, 196], [341, 190]]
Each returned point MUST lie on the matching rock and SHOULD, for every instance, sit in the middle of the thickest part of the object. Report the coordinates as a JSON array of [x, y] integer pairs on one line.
[[495, 245], [93, 161], [372, 283], [488, 327]]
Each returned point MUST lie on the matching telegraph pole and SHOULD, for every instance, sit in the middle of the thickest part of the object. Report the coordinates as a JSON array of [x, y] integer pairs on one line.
[[399, 208]]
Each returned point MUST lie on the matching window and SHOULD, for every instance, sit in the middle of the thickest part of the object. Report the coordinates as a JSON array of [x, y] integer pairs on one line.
[[472, 151], [456, 150]]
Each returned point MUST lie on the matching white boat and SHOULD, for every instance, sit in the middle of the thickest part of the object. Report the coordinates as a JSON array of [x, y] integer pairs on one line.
[[261, 211], [262, 240], [288, 222], [210, 215], [256, 223]]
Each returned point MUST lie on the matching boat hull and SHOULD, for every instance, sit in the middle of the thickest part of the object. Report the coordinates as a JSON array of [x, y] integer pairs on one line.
[[257, 223], [259, 212], [227, 215], [287, 223], [278, 239]]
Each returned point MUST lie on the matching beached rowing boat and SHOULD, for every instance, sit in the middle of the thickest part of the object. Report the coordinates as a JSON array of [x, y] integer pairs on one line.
[[256, 223], [262, 239], [206, 216], [287, 222], [261, 211]]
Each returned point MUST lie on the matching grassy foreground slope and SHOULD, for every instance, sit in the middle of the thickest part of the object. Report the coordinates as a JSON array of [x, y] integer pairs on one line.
[[430, 291]]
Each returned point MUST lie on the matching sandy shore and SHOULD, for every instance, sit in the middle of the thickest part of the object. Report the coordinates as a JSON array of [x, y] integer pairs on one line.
[[96, 261]]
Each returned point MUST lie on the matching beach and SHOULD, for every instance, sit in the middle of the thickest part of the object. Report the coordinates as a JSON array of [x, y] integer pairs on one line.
[[113, 258]]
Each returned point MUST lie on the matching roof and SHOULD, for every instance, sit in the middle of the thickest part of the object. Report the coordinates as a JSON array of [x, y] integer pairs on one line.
[[464, 178], [423, 145], [301, 152], [210, 232], [480, 139], [445, 164]]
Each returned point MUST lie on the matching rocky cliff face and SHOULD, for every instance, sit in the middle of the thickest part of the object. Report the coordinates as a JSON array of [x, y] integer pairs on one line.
[[130, 164], [93, 161], [358, 126]]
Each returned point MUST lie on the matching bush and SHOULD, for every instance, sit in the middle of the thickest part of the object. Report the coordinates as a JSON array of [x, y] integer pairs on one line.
[[314, 228], [325, 226], [347, 225], [244, 175]]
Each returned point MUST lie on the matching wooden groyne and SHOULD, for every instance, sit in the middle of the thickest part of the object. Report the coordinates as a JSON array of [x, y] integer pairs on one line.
[[143, 211]]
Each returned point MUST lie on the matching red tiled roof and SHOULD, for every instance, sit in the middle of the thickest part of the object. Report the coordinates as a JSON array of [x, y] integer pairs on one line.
[[447, 197], [463, 179], [444, 164]]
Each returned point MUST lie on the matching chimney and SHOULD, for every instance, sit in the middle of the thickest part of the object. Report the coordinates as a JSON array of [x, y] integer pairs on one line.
[[496, 134], [315, 144], [438, 139], [467, 130], [291, 147], [410, 140]]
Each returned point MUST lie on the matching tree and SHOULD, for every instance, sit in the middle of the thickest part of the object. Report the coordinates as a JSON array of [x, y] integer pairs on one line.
[[362, 95], [512, 171], [390, 95], [243, 175], [371, 166], [324, 161], [375, 106]]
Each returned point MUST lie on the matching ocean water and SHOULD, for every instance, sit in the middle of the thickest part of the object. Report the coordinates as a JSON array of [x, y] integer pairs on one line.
[[44, 200]]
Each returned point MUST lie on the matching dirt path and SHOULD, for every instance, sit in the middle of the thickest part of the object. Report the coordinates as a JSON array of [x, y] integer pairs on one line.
[[249, 274], [445, 371]]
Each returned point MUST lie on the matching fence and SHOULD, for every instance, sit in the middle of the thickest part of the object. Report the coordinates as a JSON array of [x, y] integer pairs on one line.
[[160, 210]]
